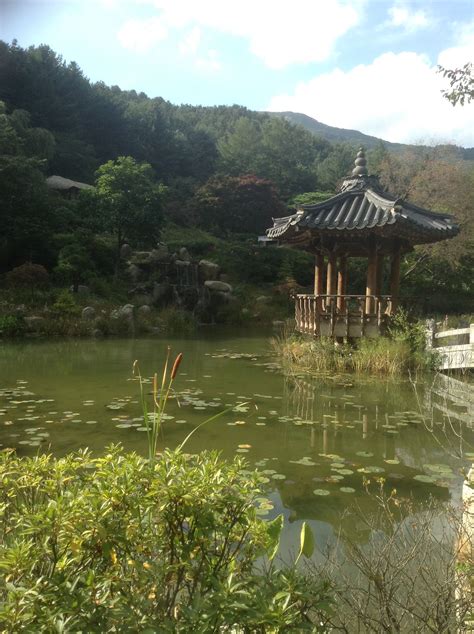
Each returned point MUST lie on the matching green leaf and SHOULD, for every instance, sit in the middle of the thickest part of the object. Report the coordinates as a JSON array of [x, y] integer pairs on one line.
[[306, 542], [274, 529]]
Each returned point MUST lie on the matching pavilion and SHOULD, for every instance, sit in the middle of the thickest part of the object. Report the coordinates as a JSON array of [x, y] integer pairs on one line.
[[359, 221]]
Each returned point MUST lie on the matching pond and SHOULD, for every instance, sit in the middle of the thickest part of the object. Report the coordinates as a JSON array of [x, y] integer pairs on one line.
[[314, 441]]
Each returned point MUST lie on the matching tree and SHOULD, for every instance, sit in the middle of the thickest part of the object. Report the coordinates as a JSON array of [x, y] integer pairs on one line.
[[244, 204], [461, 81], [129, 201]]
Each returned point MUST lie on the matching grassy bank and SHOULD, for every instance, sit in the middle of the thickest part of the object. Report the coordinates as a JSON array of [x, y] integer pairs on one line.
[[400, 353]]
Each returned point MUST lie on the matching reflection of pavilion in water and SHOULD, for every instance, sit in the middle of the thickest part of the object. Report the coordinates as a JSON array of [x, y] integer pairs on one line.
[[344, 422]]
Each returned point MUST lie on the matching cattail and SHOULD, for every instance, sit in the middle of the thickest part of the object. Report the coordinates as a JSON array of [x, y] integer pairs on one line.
[[176, 363]]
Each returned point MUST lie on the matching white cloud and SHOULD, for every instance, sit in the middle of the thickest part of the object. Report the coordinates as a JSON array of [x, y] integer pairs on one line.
[[190, 43], [397, 97], [280, 33], [209, 63], [401, 16], [141, 35]]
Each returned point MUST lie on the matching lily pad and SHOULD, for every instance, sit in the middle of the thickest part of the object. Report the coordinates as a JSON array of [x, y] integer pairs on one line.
[[347, 490], [321, 492], [278, 476], [425, 478], [364, 454]]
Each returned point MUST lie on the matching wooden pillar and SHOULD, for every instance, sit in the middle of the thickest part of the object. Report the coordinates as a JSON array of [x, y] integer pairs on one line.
[[318, 274], [379, 280], [342, 282], [371, 279], [395, 277], [331, 275]]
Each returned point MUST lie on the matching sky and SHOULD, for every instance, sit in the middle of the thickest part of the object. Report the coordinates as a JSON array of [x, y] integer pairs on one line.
[[368, 65]]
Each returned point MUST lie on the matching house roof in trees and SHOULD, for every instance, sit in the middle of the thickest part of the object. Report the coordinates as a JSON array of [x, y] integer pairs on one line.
[[60, 183], [359, 210]]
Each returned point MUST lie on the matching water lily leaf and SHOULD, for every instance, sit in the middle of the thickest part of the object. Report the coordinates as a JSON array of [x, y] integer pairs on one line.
[[347, 490], [364, 454], [425, 478], [278, 476], [344, 471], [392, 461], [321, 492], [375, 469]]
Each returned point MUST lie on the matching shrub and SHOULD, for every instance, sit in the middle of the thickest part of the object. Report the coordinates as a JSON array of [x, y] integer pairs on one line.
[[65, 306], [111, 544], [28, 275], [176, 321], [12, 326]]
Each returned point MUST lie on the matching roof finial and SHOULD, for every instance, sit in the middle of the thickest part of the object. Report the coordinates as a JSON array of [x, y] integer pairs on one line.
[[360, 163]]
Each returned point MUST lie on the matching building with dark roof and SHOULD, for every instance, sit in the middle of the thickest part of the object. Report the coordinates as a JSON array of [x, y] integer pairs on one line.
[[361, 220]]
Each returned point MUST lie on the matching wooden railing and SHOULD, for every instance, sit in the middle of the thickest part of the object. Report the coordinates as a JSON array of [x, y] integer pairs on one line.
[[342, 315]]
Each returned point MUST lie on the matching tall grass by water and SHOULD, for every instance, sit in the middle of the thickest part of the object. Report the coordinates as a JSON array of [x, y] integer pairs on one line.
[[381, 356]]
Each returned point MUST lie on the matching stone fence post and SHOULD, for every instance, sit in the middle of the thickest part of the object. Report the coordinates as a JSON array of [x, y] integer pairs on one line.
[[430, 330]]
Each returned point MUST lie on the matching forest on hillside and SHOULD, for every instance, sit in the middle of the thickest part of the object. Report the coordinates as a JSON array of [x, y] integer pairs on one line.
[[210, 177]]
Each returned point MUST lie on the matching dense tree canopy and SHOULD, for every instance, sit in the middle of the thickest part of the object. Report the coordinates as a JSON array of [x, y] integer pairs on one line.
[[225, 169]]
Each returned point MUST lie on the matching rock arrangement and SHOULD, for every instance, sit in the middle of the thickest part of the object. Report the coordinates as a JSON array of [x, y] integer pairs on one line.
[[159, 278]]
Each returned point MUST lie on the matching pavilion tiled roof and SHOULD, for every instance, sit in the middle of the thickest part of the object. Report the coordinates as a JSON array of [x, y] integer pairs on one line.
[[362, 208]]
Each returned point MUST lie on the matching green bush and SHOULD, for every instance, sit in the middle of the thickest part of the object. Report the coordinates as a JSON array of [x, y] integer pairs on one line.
[[112, 544], [65, 305], [12, 326]]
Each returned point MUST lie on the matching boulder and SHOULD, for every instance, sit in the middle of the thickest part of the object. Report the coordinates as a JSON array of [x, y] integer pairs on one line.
[[140, 257], [97, 332], [161, 292], [126, 251], [82, 289], [142, 299], [276, 323], [216, 286], [208, 270], [88, 312], [134, 272], [184, 254], [160, 253], [144, 310], [127, 311], [182, 264], [34, 322]]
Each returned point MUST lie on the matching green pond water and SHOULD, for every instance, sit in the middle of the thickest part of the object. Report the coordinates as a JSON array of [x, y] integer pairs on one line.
[[315, 441]]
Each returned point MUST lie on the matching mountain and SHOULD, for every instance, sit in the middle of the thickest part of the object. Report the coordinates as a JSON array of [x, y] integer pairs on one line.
[[354, 137]]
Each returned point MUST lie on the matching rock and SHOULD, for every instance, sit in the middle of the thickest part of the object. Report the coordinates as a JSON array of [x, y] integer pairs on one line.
[[34, 322], [276, 323], [160, 254], [126, 251], [20, 310], [144, 310], [224, 278], [82, 289], [184, 254], [127, 311], [88, 312], [134, 272], [182, 264], [140, 257], [142, 299], [161, 292], [208, 270], [97, 332], [245, 311], [263, 299], [218, 286]]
